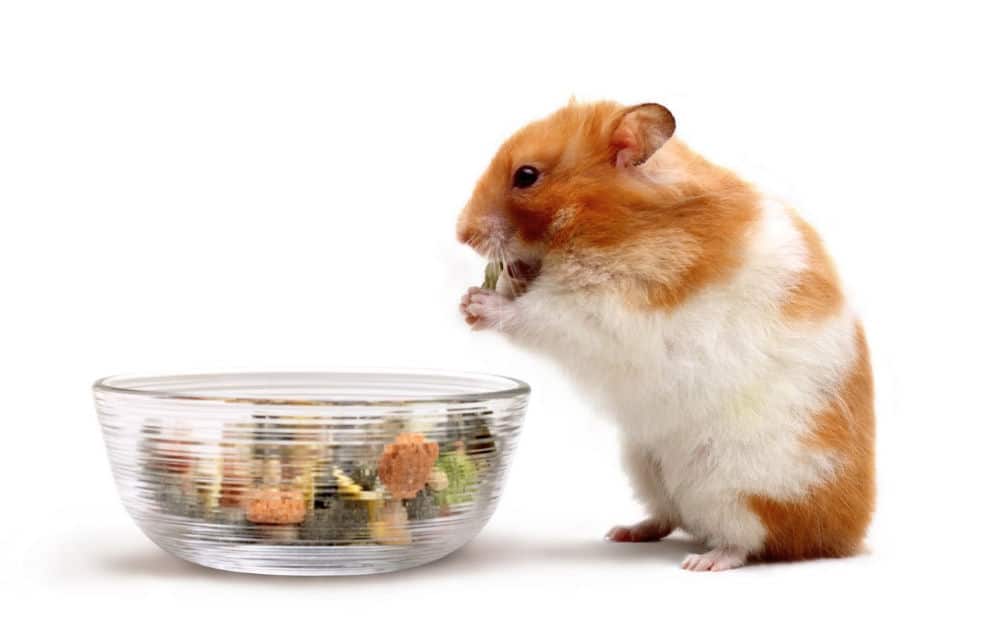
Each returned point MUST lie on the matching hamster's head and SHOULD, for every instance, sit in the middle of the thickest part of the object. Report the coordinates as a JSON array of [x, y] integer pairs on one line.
[[535, 197]]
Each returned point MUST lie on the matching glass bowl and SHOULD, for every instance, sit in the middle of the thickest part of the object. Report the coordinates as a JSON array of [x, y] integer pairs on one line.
[[332, 473]]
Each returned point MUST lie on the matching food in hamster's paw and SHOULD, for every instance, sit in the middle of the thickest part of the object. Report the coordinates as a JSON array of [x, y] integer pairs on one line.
[[406, 464], [438, 480], [492, 274], [273, 506]]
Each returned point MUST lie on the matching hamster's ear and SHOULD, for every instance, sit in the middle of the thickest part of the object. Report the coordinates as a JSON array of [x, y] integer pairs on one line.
[[639, 132]]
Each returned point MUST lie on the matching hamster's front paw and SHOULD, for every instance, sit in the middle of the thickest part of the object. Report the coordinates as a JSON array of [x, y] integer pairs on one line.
[[486, 309]]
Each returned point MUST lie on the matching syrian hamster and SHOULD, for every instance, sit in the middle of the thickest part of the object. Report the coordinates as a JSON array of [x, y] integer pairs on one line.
[[703, 315]]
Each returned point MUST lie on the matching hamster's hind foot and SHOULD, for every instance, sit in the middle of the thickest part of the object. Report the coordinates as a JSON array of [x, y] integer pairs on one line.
[[649, 530], [722, 558]]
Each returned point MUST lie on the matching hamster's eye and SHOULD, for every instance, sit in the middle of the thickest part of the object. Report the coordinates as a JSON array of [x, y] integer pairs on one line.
[[525, 176]]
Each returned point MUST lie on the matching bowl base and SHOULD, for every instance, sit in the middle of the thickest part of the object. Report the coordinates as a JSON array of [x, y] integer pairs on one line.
[[263, 559]]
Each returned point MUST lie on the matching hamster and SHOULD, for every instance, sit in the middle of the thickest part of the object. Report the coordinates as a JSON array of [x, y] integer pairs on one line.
[[705, 317]]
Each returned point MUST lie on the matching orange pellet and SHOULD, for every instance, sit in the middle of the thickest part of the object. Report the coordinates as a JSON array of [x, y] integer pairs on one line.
[[406, 464], [272, 506]]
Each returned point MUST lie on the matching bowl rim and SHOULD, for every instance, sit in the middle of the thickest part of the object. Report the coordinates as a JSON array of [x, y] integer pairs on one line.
[[518, 388]]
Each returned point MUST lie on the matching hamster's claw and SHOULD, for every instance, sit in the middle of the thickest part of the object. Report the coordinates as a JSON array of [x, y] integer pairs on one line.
[[722, 558]]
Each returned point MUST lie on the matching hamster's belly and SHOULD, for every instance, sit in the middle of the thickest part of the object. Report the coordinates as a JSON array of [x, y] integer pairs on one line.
[[732, 422]]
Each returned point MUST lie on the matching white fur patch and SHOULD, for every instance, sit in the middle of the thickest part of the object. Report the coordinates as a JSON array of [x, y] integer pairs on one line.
[[714, 396], [660, 257]]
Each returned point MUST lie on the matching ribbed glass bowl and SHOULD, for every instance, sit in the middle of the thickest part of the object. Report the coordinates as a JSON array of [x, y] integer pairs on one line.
[[336, 473]]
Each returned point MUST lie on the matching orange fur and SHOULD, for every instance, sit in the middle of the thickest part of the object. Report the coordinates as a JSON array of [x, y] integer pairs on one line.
[[831, 521], [817, 293]]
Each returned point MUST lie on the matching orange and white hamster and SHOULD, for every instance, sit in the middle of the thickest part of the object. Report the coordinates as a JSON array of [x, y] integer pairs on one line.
[[706, 317]]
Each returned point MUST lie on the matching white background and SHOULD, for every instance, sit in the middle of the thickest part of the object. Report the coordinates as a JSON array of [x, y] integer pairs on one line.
[[206, 185]]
